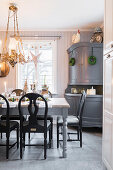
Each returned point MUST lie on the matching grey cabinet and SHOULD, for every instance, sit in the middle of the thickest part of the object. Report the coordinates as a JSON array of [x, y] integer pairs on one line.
[[82, 73], [92, 113]]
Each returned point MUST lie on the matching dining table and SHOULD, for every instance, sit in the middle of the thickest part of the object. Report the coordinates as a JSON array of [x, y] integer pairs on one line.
[[56, 107]]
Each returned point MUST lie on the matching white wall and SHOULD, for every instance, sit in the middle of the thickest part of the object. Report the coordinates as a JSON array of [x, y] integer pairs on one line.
[[63, 44]]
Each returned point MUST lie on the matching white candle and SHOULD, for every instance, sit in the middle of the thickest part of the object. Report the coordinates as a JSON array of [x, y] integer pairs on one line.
[[44, 79], [5, 86], [0, 46], [0, 69]]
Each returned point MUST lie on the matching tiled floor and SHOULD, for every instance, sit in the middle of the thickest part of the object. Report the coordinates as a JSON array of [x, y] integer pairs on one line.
[[86, 158]]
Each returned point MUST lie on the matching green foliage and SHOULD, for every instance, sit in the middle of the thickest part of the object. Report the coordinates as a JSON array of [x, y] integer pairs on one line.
[[92, 60], [72, 61]]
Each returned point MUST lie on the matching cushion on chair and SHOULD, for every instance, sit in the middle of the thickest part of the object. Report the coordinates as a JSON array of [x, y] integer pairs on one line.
[[13, 124], [12, 117], [41, 117], [71, 120], [40, 122]]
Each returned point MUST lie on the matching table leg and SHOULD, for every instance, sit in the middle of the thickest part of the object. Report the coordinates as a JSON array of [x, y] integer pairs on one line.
[[65, 113]]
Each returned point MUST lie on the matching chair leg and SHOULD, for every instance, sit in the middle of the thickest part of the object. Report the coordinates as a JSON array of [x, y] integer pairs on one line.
[[24, 139], [51, 129], [80, 137], [20, 144], [57, 136], [17, 137], [7, 146], [50, 138], [29, 135], [45, 145], [1, 135]]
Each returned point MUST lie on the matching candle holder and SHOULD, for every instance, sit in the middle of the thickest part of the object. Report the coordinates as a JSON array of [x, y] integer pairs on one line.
[[34, 87]]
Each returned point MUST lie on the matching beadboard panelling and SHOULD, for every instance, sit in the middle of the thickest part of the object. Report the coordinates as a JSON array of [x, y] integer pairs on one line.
[[62, 58]]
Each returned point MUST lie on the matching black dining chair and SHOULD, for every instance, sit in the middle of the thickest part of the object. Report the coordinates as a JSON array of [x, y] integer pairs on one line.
[[34, 125], [7, 126], [73, 121], [18, 92], [50, 118]]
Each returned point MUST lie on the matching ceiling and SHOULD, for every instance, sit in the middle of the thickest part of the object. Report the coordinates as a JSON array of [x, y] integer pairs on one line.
[[54, 14]]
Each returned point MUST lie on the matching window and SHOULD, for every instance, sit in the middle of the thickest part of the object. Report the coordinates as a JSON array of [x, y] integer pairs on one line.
[[46, 65]]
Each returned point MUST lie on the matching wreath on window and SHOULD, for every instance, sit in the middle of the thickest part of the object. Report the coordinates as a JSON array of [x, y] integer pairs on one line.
[[72, 61], [92, 60]]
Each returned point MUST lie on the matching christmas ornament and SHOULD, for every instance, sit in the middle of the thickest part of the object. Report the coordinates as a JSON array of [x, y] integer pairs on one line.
[[97, 36], [76, 37]]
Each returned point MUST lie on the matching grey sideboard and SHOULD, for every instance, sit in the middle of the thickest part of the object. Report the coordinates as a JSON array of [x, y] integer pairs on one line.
[[92, 114]]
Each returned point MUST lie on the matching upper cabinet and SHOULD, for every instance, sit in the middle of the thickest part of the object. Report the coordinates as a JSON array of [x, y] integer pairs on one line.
[[83, 72], [108, 25]]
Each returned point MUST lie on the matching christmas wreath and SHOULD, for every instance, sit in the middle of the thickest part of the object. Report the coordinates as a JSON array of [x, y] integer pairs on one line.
[[92, 60], [72, 61]]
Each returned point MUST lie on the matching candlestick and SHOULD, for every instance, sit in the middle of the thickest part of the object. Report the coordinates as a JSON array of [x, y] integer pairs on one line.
[[5, 87], [44, 79], [0, 70]]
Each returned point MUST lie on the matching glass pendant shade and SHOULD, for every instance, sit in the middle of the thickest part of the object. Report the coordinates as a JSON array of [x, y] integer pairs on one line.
[[12, 45]]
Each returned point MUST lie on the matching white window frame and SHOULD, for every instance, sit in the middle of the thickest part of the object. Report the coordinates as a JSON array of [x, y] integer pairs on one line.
[[55, 66]]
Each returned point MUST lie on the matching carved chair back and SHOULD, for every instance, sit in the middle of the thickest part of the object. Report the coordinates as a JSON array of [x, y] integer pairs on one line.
[[6, 110], [33, 109]]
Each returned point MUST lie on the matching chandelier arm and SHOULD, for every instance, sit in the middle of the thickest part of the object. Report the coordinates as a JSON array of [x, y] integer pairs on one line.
[[17, 26], [20, 39], [7, 30], [18, 33]]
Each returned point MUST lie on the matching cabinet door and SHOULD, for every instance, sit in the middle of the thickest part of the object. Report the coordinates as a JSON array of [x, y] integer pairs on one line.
[[108, 85], [92, 114], [85, 67], [93, 74], [107, 141], [108, 113], [75, 71], [108, 23]]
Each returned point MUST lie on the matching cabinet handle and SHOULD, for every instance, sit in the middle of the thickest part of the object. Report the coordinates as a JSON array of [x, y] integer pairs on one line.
[[108, 56]]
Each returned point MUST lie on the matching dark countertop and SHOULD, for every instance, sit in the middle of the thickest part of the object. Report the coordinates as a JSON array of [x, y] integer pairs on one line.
[[71, 94]]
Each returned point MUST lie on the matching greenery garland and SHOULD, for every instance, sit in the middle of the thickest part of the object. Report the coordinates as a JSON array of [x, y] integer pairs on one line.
[[72, 61], [92, 60]]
